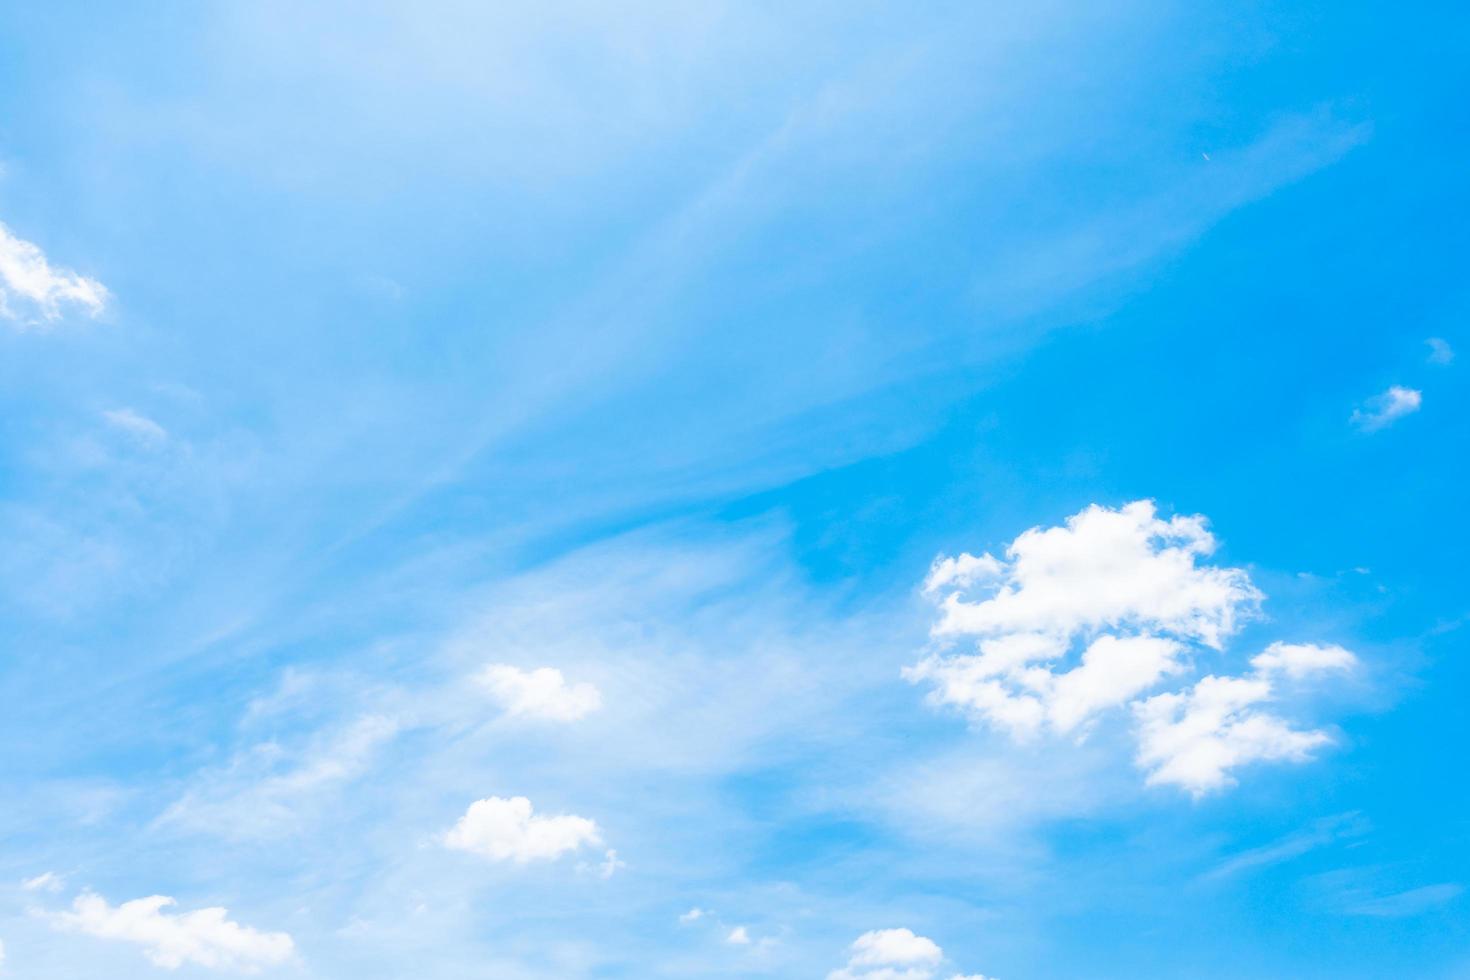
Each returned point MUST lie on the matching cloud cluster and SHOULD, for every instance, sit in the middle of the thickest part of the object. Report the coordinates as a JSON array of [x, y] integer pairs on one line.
[[1090, 616], [894, 954], [540, 693], [206, 937], [509, 830], [33, 293], [1193, 738]]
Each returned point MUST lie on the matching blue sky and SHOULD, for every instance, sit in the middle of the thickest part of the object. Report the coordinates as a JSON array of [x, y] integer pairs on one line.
[[761, 490]]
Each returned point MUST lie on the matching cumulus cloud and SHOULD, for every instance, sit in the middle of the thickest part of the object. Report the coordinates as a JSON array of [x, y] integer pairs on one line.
[[1093, 615], [894, 954], [540, 693], [1193, 738], [508, 830], [1298, 660], [693, 915], [1383, 410], [739, 936], [1120, 569], [33, 293], [206, 937], [1440, 351], [1128, 584]]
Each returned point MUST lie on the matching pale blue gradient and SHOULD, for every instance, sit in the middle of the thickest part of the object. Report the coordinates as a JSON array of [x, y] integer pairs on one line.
[[668, 344]]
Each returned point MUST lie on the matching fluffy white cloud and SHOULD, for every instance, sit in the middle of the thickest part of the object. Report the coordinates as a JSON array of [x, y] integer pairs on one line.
[[1091, 616], [1440, 351], [1023, 699], [1192, 739], [1122, 569], [1298, 660], [739, 936], [1383, 410], [693, 915], [893, 954], [205, 937], [508, 830], [540, 693], [1127, 584], [32, 292]]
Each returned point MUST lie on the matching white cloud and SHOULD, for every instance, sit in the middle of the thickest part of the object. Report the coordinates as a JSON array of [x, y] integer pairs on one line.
[[693, 915], [1118, 569], [1440, 351], [47, 881], [738, 936], [32, 292], [540, 693], [1124, 571], [2, 953], [1383, 410], [894, 954], [138, 426], [1298, 660], [1193, 738], [507, 830], [205, 937], [961, 571], [1089, 616]]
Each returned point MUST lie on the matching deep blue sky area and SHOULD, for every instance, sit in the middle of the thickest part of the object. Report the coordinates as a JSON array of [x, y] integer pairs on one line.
[[554, 491]]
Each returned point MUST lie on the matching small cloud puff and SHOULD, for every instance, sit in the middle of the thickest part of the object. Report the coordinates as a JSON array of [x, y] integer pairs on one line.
[[894, 954], [540, 693], [508, 830], [1440, 351], [1383, 410]]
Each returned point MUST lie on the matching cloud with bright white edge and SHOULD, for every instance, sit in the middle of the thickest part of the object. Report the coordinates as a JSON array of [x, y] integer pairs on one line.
[[1440, 351], [33, 293], [540, 693], [1383, 410], [739, 936], [894, 954], [508, 830], [206, 937], [1091, 616]]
